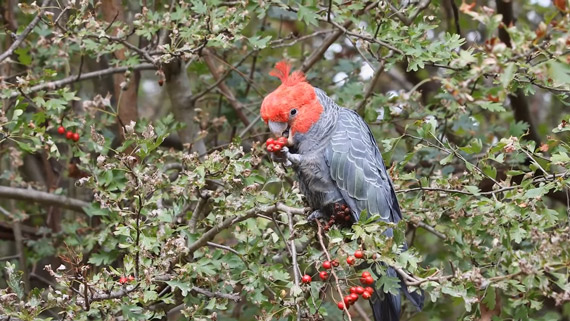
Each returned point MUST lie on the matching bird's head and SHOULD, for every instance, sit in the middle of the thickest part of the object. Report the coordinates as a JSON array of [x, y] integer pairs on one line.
[[293, 107]]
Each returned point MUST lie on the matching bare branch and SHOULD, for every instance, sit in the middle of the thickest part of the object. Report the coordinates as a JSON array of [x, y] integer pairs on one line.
[[211, 233], [536, 180], [225, 90], [26, 194], [230, 296], [327, 254], [84, 76], [24, 34], [183, 106], [330, 39], [372, 84], [408, 20], [431, 229]]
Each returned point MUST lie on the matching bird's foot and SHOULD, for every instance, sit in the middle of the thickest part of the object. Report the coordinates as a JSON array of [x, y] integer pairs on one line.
[[294, 159], [316, 215]]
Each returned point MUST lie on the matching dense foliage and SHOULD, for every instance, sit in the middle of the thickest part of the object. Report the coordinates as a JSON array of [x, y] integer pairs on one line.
[[165, 204]]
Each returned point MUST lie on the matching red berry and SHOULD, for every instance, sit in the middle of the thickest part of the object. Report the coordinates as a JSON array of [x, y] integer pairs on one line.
[[369, 280], [323, 275], [358, 254], [369, 290], [363, 280], [365, 274], [306, 278], [354, 297], [277, 147], [270, 141], [347, 300], [366, 295], [335, 263], [340, 305], [353, 290], [69, 134], [350, 260], [359, 290], [61, 130], [327, 265], [75, 137], [270, 148], [123, 280]]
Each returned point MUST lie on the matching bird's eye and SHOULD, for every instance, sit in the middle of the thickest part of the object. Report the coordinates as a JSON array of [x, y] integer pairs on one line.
[[293, 112]]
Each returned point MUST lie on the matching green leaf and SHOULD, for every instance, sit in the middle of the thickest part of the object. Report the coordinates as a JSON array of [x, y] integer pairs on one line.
[[490, 299], [560, 158], [296, 291], [149, 296], [183, 286], [558, 72], [370, 114], [491, 106], [17, 113], [103, 258], [472, 189], [535, 192], [308, 15], [389, 284], [475, 147], [24, 56], [447, 159], [259, 42], [199, 7], [508, 74]]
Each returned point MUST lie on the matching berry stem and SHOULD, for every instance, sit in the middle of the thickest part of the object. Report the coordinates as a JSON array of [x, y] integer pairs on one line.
[[320, 236]]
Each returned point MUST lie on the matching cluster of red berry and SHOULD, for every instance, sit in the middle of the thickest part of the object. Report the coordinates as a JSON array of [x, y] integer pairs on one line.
[[275, 145], [341, 215], [355, 291], [68, 134], [366, 279], [124, 279]]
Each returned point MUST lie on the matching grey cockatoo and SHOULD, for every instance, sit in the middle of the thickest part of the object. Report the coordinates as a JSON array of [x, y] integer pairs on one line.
[[337, 161]]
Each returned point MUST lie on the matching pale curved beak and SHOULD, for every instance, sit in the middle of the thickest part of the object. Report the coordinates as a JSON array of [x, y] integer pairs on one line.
[[278, 128]]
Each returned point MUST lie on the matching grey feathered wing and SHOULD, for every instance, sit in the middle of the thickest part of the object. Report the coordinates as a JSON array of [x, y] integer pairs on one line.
[[357, 168]]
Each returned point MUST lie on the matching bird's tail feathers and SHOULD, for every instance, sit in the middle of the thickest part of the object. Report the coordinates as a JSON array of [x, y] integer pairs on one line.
[[387, 306]]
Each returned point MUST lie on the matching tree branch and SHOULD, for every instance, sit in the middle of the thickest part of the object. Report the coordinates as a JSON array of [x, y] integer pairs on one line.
[[24, 33], [320, 237], [183, 106], [84, 76], [267, 210], [25, 194], [330, 39], [225, 90], [372, 84]]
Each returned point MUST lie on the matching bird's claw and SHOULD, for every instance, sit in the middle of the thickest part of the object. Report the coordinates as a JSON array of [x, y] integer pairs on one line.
[[315, 215], [294, 159]]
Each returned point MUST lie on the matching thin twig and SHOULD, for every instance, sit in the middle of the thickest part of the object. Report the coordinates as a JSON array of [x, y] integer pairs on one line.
[[296, 269], [24, 34], [372, 84], [211, 233], [431, 229], [320, 237], [27, 194], [71, 79], [330, 39]]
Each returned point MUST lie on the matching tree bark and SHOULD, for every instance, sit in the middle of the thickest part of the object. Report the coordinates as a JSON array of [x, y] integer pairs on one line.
[[125, 90], [180, 93]]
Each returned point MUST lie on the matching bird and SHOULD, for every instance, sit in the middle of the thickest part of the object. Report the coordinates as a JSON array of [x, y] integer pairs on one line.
[[337, 161]]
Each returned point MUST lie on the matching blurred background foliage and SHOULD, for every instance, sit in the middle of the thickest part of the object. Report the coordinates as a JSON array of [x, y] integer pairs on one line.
[[165, 206]]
